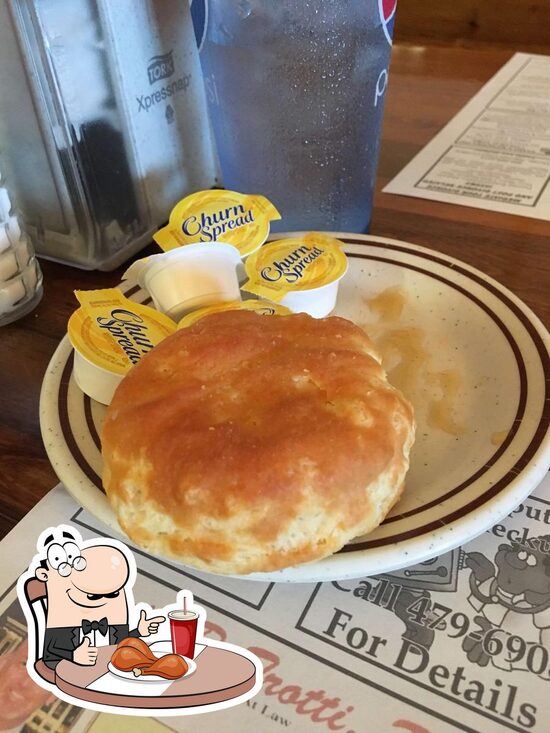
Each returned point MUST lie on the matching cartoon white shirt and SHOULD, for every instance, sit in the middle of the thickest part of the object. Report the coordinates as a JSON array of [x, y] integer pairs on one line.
[[96, 638]]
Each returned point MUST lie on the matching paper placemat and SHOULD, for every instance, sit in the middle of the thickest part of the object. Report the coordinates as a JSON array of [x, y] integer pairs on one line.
[[458, 643], [495, 153]]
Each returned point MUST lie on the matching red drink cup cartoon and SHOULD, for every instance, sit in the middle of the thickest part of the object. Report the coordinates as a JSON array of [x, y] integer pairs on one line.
[[183, 630]]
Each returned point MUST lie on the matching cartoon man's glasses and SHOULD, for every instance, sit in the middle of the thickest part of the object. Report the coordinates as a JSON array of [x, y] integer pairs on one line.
[[65, 558]]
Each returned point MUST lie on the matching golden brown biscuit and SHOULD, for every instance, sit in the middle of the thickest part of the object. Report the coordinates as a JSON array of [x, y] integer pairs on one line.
[[251, 443]]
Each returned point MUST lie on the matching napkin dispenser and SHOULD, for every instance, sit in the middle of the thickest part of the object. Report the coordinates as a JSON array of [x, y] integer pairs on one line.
[[103, 122]]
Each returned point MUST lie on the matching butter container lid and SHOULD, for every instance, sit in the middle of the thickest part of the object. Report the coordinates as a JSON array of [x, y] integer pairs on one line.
[[262, 307], [114, 333], [298, 264], [242, 220]]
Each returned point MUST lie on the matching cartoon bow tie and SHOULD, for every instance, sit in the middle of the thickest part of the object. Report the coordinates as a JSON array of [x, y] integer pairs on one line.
[[102, 625]]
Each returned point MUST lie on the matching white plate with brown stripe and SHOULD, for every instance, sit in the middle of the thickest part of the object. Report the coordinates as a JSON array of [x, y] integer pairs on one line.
[[471, 357]]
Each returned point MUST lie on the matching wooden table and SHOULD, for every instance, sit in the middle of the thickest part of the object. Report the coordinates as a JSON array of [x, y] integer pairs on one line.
[[221, 675], [428, 86]]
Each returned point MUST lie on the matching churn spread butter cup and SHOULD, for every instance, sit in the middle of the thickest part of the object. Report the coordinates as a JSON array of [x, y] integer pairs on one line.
[[301, 273], [242, 220], [189, 277], [110, 334], [262, 307]]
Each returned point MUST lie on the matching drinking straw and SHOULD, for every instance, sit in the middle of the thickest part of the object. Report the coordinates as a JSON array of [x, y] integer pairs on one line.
[[184, 605]]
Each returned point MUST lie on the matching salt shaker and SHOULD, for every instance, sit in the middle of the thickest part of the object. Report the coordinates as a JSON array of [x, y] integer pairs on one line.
[[20, 275]]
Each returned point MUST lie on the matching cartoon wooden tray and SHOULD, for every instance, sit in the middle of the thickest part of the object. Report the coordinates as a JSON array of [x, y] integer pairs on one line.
[[221, 675]]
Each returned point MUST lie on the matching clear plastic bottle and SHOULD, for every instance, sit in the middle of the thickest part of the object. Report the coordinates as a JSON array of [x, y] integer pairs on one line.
[[296, 93]]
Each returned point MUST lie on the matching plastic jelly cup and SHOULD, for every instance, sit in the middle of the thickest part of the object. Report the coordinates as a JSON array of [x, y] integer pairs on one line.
[[192, 276], [183, 630], [301, 273], [263, 307], [109, 335], [317, 302], [97, 382]]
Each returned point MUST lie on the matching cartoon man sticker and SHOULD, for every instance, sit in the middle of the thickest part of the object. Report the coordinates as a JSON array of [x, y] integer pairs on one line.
[[77, 597], [87, 599]]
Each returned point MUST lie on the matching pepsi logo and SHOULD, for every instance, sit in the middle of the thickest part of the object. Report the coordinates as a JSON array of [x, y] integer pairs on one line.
[[387, 16], [199, 14]]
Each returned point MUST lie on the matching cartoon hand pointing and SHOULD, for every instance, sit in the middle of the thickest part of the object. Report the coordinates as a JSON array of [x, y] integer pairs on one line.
[[147, 626]]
